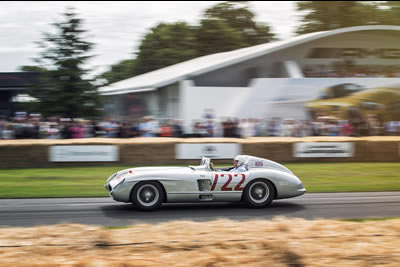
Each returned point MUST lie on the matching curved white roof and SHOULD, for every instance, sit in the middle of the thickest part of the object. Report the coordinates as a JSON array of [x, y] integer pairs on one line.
[[184, 70]]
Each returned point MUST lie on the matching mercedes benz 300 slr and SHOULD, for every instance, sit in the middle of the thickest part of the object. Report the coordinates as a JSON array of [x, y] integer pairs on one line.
[[258, 184]]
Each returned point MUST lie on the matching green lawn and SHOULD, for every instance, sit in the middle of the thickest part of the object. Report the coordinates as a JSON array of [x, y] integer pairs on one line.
[[348, 177], [89, 181]]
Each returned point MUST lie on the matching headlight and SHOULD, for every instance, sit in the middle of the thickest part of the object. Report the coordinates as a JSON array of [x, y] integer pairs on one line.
[[116, 181]]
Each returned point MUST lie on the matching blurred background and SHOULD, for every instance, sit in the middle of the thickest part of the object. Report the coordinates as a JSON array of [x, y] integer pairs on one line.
[[208, 69]]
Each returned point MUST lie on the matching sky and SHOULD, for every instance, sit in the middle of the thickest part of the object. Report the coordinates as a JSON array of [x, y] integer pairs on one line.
[[116, 27]]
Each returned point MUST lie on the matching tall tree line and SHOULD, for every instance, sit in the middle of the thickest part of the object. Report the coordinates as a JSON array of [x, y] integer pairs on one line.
[[324, 16], [231, 25], [224, 27]]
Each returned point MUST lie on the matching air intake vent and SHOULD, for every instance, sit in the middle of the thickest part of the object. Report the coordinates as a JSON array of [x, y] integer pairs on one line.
[[204, 185]]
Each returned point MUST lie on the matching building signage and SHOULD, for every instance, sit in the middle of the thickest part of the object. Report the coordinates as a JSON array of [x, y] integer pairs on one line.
[[84, 153], [209, 150], [323, 150]]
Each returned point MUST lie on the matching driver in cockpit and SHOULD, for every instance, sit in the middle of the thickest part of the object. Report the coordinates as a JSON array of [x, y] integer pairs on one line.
[[238, 165]]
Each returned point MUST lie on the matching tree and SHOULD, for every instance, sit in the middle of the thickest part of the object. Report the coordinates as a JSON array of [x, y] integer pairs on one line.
[[214, 36], [226, 26], [62, 89], [324, 16], [166, 44], [122, 70], [238, 16]]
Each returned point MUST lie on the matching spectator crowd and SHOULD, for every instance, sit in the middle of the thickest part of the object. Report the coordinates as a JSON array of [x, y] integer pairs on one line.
[[351, 70], [31, 127]]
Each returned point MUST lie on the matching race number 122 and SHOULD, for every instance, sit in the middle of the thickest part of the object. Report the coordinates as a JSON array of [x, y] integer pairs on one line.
[[226, 187]]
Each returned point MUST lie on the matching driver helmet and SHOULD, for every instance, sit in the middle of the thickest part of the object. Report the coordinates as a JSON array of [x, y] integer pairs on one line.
[[240, 160]]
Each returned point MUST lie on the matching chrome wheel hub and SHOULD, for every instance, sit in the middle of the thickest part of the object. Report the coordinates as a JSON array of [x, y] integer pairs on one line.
[[148, 195], [259, 192]]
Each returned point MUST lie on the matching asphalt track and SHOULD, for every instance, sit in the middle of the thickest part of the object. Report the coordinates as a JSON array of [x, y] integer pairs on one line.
[[107, 212]]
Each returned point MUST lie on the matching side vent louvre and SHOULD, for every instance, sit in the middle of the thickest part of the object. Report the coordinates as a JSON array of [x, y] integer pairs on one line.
[[204, 185]]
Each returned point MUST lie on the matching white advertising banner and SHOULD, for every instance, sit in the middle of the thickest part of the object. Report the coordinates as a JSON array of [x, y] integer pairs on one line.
[[209, 150], [84, 153], [323, 150]]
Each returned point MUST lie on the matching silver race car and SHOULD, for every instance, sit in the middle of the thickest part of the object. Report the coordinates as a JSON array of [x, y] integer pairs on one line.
[[258, 184]]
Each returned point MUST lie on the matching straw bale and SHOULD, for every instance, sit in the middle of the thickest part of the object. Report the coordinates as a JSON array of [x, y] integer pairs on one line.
[[276, 242]]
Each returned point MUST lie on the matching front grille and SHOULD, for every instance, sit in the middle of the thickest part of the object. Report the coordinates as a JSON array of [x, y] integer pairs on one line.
[[108, 187]]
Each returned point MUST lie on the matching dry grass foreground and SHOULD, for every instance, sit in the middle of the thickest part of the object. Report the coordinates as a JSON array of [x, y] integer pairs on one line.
[[279, 242]]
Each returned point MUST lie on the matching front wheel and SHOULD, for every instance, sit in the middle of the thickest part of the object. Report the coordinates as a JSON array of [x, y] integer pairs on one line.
[[259, 194], [147, 195]]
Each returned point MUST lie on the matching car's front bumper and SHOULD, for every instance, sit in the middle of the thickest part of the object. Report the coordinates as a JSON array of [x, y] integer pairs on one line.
[[121, 192]]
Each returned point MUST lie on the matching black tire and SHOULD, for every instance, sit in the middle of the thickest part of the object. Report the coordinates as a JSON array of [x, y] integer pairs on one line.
[[259, 193], [148, 195]]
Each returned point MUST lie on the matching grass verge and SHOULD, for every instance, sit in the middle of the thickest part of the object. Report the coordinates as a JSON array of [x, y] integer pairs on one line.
[[89, 181]]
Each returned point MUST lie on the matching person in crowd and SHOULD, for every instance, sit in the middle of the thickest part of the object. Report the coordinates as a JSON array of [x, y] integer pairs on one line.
[[246, 128], [210, 128], [8, 131], [166, 130], [110, 127], [332, 128], [3, 124], [124, 130], [228, 127], [149, 127], [89, 129], [198, 129], [65, 129], [177, 129], [53, 132], [55, 128], [98, 130], [304, 128], [391, 128], [274, 127], [346, 128], [135, 128], [259, 127], [363, 127], [288, 128], [373, 125], [77, 130]]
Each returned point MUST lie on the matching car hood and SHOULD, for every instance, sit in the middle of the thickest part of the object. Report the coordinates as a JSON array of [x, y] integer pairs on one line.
[[165, 172], [143, 171], [148, 169]]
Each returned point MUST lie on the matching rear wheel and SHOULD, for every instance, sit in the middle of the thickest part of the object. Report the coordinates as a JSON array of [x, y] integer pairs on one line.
[[147, 195], [259, 194]]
